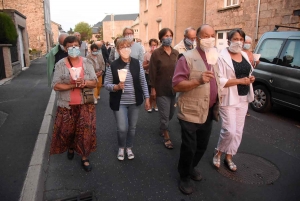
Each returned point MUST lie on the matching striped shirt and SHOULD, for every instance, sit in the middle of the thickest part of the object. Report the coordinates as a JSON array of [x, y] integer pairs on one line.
[[128, 97]]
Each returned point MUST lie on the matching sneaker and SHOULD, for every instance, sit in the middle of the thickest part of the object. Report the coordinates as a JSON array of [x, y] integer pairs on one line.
[[98, 97], [156, 109], [95, 102], [149, 111], [130, 154], [121, 154]]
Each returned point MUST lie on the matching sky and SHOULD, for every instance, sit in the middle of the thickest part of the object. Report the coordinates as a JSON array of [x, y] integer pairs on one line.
[[68, 13]]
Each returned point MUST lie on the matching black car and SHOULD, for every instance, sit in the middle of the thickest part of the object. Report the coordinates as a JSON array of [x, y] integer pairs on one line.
[[277, 76]]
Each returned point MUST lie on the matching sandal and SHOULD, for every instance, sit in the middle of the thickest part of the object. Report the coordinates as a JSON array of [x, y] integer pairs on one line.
[[169, 145], [216, 160], [230, 165], [88, 167]]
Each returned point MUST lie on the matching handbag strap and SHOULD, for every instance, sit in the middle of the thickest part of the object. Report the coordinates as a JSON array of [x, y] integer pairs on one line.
[[70, 62]]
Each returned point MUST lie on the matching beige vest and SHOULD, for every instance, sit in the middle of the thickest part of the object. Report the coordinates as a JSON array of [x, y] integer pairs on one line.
[[193, 105]]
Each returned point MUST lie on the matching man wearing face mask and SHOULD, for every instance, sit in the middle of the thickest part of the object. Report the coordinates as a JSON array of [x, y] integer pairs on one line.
[[198, 102], [188, 42], [56, 53], [137, 51]]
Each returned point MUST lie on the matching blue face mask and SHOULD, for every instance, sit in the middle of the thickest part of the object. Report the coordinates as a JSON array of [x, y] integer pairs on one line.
[[188, 42], [95, 53], [73, 51], [167, 41]]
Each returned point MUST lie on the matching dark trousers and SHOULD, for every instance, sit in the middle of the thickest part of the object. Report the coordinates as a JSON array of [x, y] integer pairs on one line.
[[195, 138]]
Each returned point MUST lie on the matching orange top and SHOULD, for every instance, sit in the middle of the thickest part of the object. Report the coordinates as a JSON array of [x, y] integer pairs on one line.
[[75, 94]]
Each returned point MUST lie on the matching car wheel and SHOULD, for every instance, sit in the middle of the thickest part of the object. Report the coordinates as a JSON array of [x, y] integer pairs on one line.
[[262, 99]]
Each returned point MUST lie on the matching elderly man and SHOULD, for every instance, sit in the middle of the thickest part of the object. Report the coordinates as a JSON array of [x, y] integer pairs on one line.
[[103, 50], [56, 53], [198, 84], [83, 45], [188, 41]]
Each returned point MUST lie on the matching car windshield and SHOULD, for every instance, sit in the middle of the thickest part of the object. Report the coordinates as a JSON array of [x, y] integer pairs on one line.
[[269, 50]]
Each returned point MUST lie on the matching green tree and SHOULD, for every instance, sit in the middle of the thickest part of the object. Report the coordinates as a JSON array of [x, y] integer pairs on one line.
[[84, 29], [8, 32], [70, 32]]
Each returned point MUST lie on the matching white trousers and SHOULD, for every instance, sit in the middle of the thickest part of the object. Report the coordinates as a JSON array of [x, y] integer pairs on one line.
[[233, 120]]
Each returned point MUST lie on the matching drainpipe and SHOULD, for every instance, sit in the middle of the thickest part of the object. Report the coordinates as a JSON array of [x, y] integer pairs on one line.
[[257, 18], [175, 14], [204, 12]]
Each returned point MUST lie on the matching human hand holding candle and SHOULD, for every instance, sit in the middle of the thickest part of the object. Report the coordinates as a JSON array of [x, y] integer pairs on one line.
[[122, 77], [75, 74]]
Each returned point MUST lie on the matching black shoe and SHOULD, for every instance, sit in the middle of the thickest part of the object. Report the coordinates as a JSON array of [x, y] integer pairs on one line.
[[70, 154], [88, 167], [186, 186], [196, 175]]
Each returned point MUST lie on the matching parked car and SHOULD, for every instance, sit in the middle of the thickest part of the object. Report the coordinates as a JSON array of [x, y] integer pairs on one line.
[[277, 76]]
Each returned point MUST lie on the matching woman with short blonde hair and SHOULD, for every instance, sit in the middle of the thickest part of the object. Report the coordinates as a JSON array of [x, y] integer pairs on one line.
[[125, 98]]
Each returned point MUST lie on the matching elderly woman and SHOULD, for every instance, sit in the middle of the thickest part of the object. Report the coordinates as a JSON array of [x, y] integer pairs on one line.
[[137, 50], [99, 66], [236, 83], [153, 43], [113, 52], [126, 97], [161, 69], [75, 123]]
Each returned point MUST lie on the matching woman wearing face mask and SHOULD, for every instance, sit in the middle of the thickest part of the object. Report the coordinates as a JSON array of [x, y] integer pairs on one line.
[[137, 51], [153, 43], [99, 66], [237, 91], [75, 123], [126, 97], [161, 70]]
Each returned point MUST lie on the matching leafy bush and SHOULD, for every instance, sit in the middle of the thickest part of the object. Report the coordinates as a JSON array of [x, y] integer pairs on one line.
[[8, 32]]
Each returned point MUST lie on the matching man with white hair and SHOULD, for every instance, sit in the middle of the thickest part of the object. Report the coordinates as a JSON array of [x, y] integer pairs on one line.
[[83, 45], [188, 42], [56, 53]]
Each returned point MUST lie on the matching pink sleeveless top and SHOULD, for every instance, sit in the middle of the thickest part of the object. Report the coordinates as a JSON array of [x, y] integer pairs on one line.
[[75, 95]]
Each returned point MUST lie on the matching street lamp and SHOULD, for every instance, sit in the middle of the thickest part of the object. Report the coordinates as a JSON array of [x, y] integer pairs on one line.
[[112, 19]]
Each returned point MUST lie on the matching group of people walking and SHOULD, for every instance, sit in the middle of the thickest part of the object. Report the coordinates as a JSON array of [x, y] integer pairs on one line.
[[202, 89]]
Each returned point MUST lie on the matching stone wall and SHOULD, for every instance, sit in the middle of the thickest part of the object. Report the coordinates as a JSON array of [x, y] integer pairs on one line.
[[174, 14], [55, 32], [244, 16], [34, 12]]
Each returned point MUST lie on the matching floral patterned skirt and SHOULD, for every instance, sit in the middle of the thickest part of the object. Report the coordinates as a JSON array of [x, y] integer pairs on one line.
[[75, 128]]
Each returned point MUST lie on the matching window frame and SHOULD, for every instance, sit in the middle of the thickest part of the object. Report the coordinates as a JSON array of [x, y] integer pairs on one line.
[[231, 4]]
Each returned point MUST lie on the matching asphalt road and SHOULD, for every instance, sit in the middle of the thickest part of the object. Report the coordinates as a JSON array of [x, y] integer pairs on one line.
[[23, 101], [152, 175]]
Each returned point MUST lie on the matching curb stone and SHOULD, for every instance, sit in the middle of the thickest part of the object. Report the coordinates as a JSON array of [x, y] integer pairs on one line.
[[34, 184]]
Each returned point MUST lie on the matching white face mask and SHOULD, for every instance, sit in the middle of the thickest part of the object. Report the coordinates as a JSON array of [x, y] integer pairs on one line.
[[247, 46], [125, 52], [129, 37], [235, 47], [207, 43]]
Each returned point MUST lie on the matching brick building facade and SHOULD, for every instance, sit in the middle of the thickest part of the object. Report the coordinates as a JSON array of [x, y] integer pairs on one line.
[[174, 14], [37, 14], [255, 17]]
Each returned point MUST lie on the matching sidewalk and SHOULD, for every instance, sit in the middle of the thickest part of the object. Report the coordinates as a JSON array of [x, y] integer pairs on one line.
[[267, 162], [23, 101]]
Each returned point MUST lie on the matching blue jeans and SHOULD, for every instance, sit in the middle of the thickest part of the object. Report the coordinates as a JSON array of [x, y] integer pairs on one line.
[[126, 118]]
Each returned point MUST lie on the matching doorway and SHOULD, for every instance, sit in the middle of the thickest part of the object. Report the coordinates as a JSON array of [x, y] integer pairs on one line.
[[21, 46], [221, 40]]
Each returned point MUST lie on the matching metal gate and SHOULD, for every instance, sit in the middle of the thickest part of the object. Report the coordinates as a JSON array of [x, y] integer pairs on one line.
[[2, 67]]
